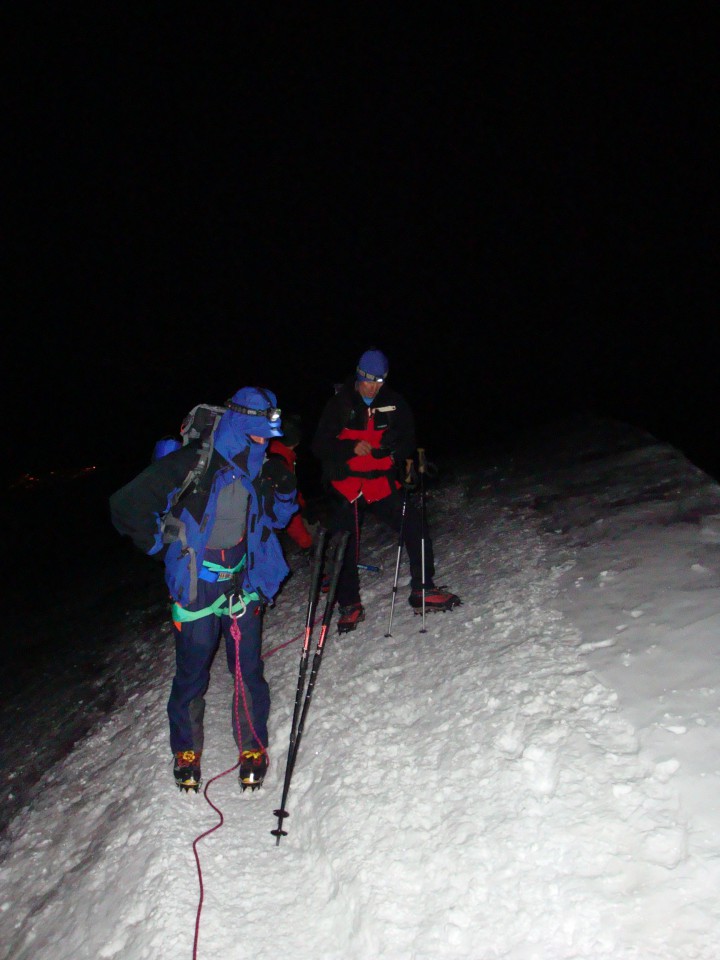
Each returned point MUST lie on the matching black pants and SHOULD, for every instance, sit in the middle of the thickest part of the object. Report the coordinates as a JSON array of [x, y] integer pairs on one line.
[[389, 512]]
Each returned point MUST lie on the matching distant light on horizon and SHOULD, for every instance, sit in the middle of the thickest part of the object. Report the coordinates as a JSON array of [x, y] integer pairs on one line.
[[31, 481]]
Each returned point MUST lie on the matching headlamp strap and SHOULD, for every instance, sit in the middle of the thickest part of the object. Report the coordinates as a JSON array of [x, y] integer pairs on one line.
[[271, 413], [370, 376]]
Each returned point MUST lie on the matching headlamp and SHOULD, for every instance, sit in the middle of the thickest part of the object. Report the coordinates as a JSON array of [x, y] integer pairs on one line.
[[272, 414], [370, 376]]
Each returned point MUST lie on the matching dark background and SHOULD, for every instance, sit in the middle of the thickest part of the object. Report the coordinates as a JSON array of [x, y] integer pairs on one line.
[[517, 205]]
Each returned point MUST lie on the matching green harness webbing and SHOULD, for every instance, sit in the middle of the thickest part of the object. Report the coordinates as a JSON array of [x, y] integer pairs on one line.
[[219, 568], [234, 605]]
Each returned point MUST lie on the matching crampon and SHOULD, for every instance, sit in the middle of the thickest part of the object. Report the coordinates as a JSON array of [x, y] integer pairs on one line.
[[253, 767], [350, 617], [437, 600], [186, 770]]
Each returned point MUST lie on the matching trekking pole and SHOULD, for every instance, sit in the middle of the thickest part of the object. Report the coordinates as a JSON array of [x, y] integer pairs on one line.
[[397, 561], [317, 557], [338, 558], [318, 552], [422, 467]]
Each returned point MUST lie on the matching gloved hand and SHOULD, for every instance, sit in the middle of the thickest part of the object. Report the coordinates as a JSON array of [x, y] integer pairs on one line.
[[277, 476]]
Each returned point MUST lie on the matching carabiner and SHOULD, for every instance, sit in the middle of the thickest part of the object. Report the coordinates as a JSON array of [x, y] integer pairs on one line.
[[241, 601]]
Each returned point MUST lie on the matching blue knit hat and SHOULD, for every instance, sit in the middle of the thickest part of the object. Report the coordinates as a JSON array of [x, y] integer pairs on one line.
[[372, 366]]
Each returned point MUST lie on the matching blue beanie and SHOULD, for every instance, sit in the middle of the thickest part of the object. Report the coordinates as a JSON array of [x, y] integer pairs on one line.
[[372, 366]]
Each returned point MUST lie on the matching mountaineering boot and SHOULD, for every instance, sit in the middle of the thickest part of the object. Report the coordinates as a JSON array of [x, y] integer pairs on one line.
[[437, 599], [187, 770], [350, 617], [253, 767]]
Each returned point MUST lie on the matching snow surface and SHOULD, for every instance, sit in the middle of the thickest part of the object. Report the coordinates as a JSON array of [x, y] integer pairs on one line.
[[536, 776]]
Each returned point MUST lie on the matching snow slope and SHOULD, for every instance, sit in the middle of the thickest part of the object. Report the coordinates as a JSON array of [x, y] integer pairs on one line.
[[535, 776]]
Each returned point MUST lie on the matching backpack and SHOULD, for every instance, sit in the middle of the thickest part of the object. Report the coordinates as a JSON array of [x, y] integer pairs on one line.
[[200, 424]]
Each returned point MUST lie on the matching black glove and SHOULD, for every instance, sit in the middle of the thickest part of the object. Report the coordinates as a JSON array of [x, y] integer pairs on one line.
[[276, 475]]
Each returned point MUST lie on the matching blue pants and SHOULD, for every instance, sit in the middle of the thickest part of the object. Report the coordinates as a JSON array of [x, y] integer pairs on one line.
[[196, 643]]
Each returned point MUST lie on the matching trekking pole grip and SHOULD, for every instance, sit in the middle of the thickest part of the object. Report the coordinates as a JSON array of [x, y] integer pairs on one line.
[[422, 462]]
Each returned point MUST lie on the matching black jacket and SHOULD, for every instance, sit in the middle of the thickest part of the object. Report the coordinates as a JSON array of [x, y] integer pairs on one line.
[[347, 409]]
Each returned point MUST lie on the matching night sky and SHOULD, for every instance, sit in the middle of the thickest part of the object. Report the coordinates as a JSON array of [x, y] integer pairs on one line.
[[519, 206]]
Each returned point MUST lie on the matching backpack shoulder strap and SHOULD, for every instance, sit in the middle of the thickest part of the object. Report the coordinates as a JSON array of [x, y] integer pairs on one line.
[[200, 424]]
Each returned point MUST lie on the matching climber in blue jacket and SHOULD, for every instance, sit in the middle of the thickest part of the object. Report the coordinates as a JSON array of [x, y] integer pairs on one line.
[[223, 564]]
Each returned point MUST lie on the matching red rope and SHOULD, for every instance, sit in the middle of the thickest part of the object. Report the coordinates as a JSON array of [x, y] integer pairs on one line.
[[287, 643], [235, 632], [239, 686], [197, 857]]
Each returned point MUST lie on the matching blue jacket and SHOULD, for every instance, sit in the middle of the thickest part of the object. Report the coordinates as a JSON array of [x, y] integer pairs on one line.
[[137, 510]]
